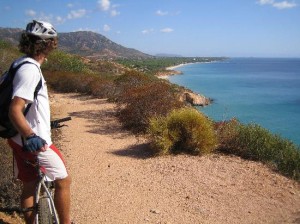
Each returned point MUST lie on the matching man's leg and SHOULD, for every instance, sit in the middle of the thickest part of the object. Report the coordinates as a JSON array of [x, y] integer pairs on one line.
[[27, 200], [62, 199]]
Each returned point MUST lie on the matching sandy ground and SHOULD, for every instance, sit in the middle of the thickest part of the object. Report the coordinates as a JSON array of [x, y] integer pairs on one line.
[[116, 180]]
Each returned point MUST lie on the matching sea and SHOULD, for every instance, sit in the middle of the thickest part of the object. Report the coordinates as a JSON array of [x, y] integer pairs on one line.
[[265, 91]]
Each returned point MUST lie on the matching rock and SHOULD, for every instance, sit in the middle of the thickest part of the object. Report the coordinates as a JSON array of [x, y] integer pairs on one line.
[[195, 99], [154, 211]]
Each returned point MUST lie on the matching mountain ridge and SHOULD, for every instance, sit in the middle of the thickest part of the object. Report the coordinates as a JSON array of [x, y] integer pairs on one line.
[[84, 43]]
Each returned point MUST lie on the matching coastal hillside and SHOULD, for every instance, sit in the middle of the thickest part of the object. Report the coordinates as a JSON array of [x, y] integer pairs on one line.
[[124, 183], [84, 43]]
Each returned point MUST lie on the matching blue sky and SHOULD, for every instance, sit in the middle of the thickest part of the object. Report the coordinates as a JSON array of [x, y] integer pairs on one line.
[[234, 28]]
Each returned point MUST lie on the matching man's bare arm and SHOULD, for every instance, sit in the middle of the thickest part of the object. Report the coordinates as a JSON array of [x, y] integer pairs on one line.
[[17, 117]]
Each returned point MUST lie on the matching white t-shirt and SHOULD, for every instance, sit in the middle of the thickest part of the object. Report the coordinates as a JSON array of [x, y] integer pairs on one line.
[[24, 84]]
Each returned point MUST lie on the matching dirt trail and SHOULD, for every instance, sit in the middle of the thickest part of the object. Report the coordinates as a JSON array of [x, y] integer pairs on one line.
[[115, 179]]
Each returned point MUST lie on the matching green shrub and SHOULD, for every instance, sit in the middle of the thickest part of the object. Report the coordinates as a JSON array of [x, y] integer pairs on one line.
[[61, 61], [287, 158], [255, 142], [183, 130], [251, 141]]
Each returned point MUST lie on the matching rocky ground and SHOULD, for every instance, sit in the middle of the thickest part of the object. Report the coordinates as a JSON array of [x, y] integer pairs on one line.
[[117, 180]]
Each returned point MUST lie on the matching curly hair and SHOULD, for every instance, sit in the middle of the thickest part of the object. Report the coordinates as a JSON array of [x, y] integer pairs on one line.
[[33, 45]]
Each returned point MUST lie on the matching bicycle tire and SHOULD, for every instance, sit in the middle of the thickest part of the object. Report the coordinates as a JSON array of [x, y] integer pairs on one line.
[[44, 211]]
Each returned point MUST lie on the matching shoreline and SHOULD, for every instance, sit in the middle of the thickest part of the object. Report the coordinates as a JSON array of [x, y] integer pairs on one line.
[[181, 65], [187, 95], [171, 70]]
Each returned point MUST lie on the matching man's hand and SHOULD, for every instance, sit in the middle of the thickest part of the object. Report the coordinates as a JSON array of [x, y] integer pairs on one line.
[[34, 144]]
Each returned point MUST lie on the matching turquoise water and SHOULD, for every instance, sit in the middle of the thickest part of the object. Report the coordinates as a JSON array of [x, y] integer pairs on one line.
[[259, 90]]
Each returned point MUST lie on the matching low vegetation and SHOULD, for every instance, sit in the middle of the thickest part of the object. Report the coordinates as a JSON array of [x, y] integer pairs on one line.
[[146, 104], [254, 142], [8, 53], [182, 130], [9, 189], [140, 97]]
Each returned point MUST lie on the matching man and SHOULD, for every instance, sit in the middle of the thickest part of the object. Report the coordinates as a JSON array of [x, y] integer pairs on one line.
[[34, 138]]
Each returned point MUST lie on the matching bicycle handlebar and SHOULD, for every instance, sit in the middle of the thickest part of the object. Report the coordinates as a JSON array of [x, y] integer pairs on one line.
[[55, 123]]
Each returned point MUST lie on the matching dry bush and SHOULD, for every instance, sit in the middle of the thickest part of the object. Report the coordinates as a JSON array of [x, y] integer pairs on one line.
[[8, 53], [139, 104], [227, 131], [130, 80], [10, 189], [102, 87]]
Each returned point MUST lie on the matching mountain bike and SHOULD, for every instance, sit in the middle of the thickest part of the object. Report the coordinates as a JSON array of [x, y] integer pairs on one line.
[[44, 207]]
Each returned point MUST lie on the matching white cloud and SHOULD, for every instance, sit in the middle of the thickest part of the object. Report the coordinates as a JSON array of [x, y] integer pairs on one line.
[[147, 31], [114, 12], [45, 17], [87, 29], [75, 14], [106, 28], [30, 13], [70, 5], [265, 2], [59, 20], [166, 30], [278, 5], [104, 4], [284, 5], [48, 18], [161, 13]]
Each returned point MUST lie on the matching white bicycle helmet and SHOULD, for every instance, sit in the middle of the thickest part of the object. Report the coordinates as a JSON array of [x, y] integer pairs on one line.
[[41, 29]]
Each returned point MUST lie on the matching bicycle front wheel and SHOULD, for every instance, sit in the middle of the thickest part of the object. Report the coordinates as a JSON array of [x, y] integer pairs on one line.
[[45, 213]]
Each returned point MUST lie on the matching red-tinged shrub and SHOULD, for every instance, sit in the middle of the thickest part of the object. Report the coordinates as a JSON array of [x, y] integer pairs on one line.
[[140, 103]]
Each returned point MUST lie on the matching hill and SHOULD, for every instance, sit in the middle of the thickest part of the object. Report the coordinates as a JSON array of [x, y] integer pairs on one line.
[[84, 43]]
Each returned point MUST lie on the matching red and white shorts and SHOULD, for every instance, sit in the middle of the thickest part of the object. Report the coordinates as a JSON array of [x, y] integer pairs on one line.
[[51, 161]]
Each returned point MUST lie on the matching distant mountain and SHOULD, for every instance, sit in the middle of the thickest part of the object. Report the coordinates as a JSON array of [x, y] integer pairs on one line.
[[84, 43], [10, 34]]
